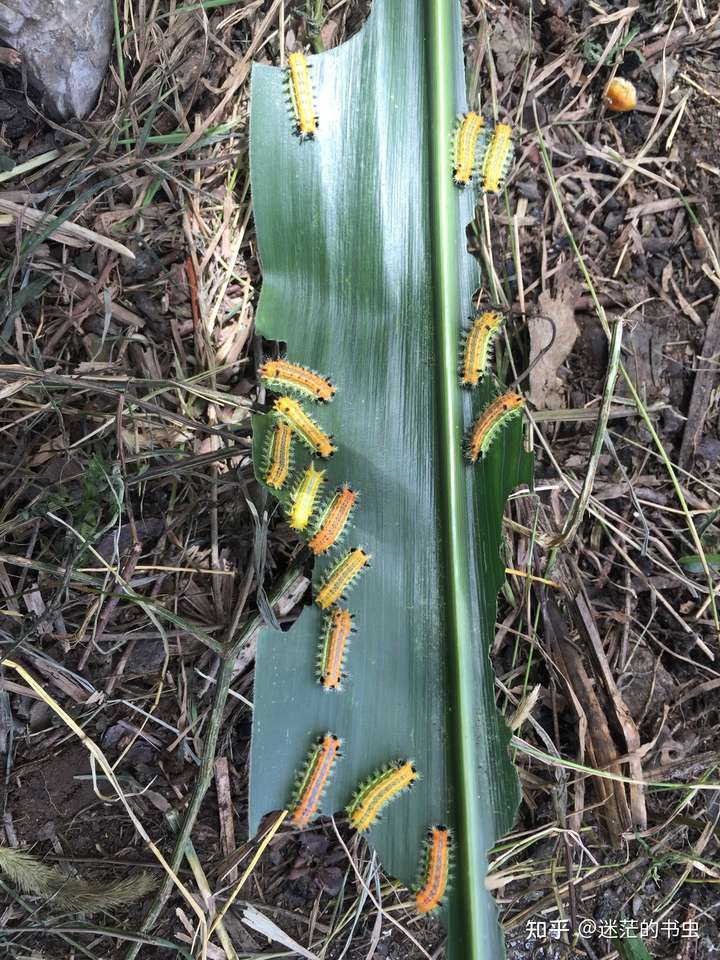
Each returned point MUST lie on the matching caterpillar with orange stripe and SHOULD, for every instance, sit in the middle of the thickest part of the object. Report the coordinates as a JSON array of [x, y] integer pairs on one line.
[[373, 796], [491, 422], [282, 376], [333, 520], [436, 870], [301, 96], [336, 633], [278, 455], [310, 433], [341, 577], [477, 348], [315, 778]]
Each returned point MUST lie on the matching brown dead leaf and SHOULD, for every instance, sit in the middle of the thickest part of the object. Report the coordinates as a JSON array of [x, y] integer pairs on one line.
[[546, 390], [509, 43]]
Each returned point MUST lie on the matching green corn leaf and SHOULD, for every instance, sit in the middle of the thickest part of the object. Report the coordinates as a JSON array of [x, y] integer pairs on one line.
[[366, 278], [631, 948]]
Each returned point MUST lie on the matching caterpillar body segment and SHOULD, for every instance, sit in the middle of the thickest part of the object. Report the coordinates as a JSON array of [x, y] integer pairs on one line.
[[309, 432], [305, 496], [373, 796], [491, 422], [341, 577], [314, 779], [301, 96], [334, 520]]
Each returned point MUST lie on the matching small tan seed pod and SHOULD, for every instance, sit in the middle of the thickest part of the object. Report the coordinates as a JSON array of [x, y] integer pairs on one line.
[[620, 96]]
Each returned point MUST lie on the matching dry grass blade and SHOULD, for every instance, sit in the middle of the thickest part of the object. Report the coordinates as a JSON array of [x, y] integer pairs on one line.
[[72, 234]]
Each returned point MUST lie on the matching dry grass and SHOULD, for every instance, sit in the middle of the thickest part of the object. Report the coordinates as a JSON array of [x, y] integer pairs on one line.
[[130, 558]]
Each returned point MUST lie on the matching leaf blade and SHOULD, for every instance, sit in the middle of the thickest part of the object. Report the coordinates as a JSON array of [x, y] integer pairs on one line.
[[345, 229]]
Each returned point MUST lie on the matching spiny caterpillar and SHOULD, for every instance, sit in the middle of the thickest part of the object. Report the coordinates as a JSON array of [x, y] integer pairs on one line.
[[465, 147], [370, 799], [305, 496], [497, 159], [490, 422], [283, 376], [279, 456], [311, 434], [340, 578], [333, 520], [435, 870], [336, 632], [478, 344], [301, 95], [316, 775]]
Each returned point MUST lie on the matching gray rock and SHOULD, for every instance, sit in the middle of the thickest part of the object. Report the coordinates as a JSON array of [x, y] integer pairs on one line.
[[65, 45]]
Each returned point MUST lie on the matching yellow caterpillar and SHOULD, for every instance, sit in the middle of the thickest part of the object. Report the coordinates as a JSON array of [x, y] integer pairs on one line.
[[301, 95], [305, 497], [371, 798], [465, 142], [497, 159]]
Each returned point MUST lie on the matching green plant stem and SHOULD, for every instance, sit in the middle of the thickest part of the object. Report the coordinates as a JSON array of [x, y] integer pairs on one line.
[[448, 309]]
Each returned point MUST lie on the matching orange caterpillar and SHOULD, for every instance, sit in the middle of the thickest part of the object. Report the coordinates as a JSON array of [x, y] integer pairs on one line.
[[311, 433], [478, 346], [279, 456], [283, 376], [497, 159], [465, 147], [436, 870], [490, 422], [333, 520], [301, 96], [340, 578], [316, 775], [336, 634], [373, 796]]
